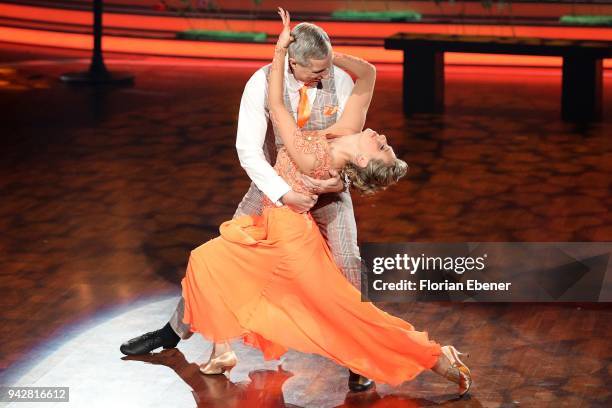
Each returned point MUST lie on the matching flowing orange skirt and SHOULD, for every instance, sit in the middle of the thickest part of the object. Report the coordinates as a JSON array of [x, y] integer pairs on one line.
[[271, 280]]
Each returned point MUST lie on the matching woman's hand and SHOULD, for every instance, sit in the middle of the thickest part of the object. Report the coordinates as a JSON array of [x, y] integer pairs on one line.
[[285, 38]]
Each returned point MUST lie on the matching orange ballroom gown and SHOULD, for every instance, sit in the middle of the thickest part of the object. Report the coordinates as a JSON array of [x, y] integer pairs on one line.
[[271, 280]]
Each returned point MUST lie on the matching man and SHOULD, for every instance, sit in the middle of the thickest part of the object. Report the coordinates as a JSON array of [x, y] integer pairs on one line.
[[316, 93]]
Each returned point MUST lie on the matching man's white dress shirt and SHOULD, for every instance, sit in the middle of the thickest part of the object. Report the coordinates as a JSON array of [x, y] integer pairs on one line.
[[253, 124]]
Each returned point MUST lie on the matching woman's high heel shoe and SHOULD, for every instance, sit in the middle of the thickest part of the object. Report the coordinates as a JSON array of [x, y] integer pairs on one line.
[[457, 372], [220, 364]]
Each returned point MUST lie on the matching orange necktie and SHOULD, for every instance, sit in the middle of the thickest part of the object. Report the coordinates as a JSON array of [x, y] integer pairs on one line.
[[303, 108]]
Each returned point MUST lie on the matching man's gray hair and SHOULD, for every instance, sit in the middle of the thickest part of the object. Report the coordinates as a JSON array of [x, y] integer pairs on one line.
[[311, 42]]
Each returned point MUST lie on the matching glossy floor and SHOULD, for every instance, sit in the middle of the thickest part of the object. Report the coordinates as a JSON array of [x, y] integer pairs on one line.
[[104, 193]]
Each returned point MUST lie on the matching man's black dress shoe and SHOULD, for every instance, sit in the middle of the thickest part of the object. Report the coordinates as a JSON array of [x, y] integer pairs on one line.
[[146, 343], [359, 383]]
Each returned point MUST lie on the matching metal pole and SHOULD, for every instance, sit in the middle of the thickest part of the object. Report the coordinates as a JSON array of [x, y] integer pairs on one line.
[[97, 66], [97, 73]]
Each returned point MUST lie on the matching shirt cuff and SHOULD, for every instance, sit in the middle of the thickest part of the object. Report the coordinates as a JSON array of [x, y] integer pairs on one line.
[[278, 194]]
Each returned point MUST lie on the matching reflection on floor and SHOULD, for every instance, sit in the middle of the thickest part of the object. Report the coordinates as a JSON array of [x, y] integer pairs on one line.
[[105, 192]]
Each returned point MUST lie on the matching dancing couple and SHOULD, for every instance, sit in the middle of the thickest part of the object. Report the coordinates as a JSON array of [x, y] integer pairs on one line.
[[284, 272]]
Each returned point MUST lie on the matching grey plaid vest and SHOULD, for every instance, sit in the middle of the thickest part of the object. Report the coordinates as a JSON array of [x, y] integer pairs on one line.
[[326, 98], [333, 212]]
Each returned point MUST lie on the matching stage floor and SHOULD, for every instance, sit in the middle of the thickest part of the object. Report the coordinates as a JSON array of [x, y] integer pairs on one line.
[[104, 193]]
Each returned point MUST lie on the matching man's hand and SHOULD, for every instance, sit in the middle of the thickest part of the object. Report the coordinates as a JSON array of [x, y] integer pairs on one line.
[[332, 185], [299, 202]]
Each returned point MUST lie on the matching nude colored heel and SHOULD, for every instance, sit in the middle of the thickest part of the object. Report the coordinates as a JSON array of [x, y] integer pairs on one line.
[[458, 372], [220, 364]]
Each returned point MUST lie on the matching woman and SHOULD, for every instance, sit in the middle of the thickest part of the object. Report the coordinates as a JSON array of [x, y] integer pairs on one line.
[[271, 279]]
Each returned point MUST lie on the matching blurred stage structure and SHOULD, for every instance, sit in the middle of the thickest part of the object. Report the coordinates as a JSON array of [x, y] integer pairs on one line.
[[423, 83], [150, 27], [97, 74]]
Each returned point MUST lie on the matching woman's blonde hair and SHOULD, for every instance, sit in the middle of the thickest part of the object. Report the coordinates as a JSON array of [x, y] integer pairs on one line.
[[375, 176]]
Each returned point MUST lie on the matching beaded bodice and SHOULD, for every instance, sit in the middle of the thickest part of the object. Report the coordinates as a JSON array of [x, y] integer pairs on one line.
[[310, 142]]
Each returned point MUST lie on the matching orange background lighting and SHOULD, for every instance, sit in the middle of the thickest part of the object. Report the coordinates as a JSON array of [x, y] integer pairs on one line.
[[143, 45]]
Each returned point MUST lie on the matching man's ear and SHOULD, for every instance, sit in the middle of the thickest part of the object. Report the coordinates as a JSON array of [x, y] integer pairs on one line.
[[292, 62]]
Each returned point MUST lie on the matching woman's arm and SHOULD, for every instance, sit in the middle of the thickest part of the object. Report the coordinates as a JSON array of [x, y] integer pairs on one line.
[[354, 114], [282, 120]]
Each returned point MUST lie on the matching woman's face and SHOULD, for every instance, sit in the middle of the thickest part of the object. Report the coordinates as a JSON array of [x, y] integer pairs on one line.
[[374, 146]]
